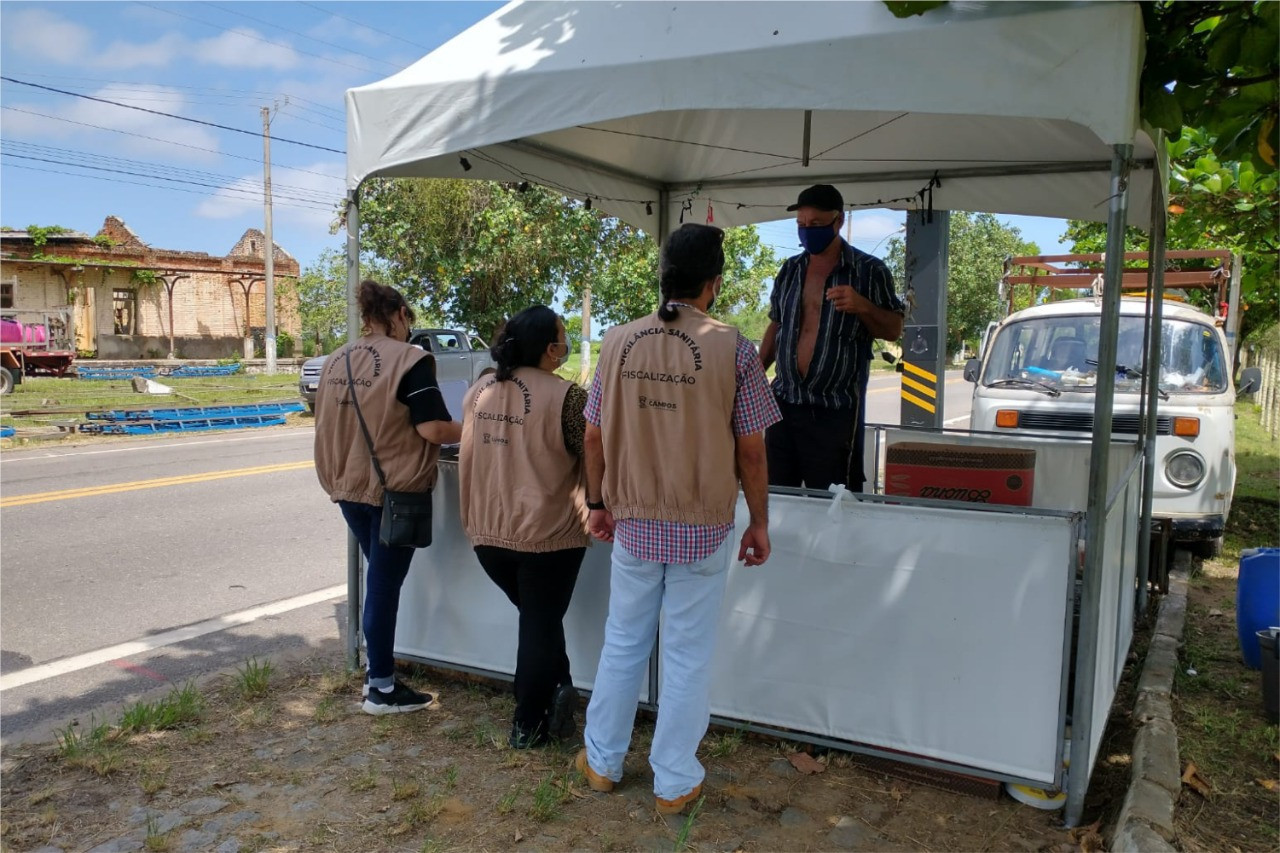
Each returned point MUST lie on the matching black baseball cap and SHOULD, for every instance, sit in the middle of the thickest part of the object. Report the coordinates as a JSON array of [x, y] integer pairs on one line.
[[821, 196]]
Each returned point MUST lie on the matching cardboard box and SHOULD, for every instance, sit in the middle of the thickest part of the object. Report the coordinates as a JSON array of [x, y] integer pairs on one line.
[[996, 475]]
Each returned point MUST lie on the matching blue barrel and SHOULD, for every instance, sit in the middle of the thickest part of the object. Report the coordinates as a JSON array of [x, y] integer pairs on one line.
[[1257, 599]]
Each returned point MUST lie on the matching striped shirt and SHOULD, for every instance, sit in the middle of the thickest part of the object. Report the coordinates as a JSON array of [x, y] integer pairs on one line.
[[754, 410], [843, 345]]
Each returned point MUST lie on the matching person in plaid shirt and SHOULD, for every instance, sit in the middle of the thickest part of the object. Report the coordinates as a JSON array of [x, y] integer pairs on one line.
[[669, 468]]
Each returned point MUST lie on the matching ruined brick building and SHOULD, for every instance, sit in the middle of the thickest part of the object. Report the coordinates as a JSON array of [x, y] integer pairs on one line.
[[114, 295]]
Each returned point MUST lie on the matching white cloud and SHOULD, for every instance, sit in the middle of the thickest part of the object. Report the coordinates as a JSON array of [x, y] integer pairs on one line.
[[334, 28], [42, 34], [153, 54], [873, 226], [242, 48], [242, 198]]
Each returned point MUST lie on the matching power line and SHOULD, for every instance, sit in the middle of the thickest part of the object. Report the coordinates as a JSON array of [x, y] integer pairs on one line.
[[248, 94], [170, 142], [330, 127], [367, 27], [229, 189], [140, 184], [93, 159], [256, 38], [301, 35], [169, 115]]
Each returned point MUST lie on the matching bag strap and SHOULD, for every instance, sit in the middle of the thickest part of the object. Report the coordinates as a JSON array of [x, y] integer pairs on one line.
[[351, 386]]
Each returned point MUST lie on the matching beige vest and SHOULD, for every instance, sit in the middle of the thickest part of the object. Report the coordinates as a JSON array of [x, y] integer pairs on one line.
[[378, 364], [520, 488], [667, 419]]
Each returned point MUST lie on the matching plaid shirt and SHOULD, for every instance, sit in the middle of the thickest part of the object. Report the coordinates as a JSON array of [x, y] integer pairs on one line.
[[754, 409], [843, 345]]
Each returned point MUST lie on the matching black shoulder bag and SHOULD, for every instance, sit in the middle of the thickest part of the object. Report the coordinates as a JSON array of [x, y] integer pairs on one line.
[[406, 516]]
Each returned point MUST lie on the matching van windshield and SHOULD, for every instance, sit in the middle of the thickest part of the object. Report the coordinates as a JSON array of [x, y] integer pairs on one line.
[[1061, 352]]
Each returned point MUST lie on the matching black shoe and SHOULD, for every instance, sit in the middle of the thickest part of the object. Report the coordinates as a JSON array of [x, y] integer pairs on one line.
[[564, 702], [401, 699], [524, 738]]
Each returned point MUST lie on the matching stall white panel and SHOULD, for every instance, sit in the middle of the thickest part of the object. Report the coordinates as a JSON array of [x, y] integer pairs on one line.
[[450, 612], [1062, 465], [938, 632]]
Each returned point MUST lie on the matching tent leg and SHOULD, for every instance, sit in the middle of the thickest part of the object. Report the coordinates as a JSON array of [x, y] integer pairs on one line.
[[1151, 382], [355, 571], [1083, 724], [664, 231]]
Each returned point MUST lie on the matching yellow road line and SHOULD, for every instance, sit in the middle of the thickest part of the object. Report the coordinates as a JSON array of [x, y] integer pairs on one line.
[[928, 407], [918, 371], [158, 483], [923, 389]]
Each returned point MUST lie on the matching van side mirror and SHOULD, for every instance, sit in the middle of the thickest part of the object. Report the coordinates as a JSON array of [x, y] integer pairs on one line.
[[1250, 381], [971, 369]]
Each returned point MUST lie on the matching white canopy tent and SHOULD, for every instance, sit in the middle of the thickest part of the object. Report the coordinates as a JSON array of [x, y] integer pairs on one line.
[[1015, 106], [659, 112]]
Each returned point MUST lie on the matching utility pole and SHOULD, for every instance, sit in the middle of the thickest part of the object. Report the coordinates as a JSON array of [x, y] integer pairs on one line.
[[269, 250], [585, 371]]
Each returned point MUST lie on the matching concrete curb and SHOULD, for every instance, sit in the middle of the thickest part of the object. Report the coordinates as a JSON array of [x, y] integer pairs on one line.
[[1145, 824]]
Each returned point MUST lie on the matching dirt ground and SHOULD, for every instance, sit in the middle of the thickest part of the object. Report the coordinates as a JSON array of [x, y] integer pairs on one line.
[[1222, 730], [301, 768]]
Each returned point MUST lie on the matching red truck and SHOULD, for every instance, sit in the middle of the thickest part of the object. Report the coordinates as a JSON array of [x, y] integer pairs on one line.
[[39, 347]]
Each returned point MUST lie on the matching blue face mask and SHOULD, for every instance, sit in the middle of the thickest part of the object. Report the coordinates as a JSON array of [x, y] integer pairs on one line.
[[816, 238]]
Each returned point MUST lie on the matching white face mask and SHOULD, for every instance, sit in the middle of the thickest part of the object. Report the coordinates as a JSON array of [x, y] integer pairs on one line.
[[560, 360]]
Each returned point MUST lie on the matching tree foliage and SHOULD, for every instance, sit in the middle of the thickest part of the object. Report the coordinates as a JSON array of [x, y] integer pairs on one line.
[[322, 296], [1214, 205], [978, 246], [476, 252]]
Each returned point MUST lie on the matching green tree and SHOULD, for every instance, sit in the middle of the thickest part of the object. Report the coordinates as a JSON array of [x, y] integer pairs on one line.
[[1214, 205], [978, 246], [322, 296]]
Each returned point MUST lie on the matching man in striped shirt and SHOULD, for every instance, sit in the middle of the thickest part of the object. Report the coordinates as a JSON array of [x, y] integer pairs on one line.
[[827, 305]]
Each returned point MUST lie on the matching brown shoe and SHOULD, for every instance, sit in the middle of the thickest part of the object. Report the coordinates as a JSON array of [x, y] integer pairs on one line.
[[677, 805], [594, 780]]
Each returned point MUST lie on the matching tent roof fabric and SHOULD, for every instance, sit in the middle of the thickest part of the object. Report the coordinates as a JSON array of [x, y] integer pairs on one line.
[[1015, 106]]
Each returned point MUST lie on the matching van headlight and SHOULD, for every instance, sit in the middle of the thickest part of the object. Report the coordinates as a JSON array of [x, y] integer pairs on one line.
[[1184, 469]]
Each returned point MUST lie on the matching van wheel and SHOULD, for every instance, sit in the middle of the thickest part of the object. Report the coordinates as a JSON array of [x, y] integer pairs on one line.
[[6, 381], [1206, 549]]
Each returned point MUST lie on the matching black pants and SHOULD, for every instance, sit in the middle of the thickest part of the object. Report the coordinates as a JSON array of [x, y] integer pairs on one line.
[[540, 586], [810, 446], [857, 476]]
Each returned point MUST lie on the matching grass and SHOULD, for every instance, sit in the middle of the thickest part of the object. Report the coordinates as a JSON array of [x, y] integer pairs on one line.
[[724, 744], [682, 837], [155, 840], [1218, 712], [508, 801], [548, 797], [44, 401], [253, 680], [183, 706]]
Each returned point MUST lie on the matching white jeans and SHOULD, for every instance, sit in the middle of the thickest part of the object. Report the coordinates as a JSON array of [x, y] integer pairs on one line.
[[688, 595]]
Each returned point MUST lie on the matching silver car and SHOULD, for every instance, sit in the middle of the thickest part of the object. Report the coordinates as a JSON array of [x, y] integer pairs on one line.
[[461, 359]]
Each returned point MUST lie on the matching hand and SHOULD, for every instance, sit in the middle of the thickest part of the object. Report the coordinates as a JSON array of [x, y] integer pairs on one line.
[[600, 525], [755, 548], [845, 298]]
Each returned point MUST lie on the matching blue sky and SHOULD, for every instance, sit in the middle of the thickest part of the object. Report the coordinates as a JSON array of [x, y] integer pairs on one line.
[[69, 160]]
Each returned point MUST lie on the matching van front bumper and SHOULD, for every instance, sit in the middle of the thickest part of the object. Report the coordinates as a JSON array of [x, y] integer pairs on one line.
[[1199, 529]]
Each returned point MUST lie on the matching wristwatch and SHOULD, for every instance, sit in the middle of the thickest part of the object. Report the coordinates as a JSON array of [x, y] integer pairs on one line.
[[594, 505]]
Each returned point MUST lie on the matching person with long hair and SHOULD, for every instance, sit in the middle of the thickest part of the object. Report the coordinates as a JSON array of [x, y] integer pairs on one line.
[[524, 508], [394, 384], [675, 422]]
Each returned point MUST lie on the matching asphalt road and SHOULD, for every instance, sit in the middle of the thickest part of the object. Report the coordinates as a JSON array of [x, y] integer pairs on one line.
[[136, 564]]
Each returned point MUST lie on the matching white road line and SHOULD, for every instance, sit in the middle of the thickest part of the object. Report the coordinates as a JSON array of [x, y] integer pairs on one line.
[[41, 457], [53, 669], [950, 421]]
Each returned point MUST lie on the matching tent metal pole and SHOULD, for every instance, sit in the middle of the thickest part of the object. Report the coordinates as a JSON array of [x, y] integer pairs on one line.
[[1151, 384], [1083, 724], [664, 231], [354, 562]]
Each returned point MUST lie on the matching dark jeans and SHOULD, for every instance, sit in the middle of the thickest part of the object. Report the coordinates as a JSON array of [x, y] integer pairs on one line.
[[810, 446], [857, 476], [540, 586], [387, 569]]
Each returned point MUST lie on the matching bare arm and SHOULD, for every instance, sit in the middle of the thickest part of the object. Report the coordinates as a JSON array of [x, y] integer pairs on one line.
[[753, 472], [440, 432], [600, 522], [881, 322], [769, 345]]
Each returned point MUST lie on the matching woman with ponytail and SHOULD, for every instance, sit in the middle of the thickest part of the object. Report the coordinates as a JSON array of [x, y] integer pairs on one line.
[[394, 385], [523, 506]]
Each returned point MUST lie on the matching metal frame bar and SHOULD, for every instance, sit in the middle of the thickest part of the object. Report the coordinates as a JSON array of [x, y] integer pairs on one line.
[[1151, 385], [355, 565], [1082, 722]]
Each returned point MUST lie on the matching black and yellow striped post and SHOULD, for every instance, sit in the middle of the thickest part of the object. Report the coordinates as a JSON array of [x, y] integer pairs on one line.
[[925, 329]]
